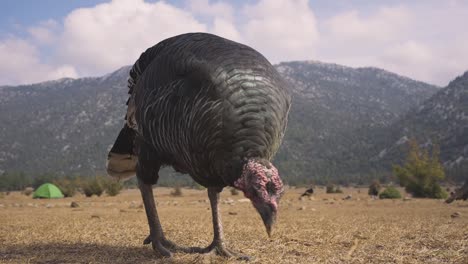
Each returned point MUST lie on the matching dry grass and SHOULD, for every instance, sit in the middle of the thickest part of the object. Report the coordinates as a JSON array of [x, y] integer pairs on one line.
[[324, 229]]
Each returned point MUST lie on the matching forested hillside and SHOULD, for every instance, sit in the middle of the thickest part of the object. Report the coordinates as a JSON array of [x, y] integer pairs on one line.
[[343, 122]]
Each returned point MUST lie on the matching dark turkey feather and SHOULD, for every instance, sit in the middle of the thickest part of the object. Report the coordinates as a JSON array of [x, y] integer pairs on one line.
[[205, 104]]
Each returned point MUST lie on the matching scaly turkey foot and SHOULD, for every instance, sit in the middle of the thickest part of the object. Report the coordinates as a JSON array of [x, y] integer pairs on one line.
[[160, 248], [219, 249], [216, 248], [172, 247]]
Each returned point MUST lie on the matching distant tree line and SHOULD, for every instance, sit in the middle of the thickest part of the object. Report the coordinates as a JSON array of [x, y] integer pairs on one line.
[[69, 185], [421, 168], [17, 181]]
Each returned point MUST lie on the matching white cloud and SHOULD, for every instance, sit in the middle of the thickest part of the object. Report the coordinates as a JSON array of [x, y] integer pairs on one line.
[[408, 53], [214, 9], [353, 38], [425, 41], [225, 28], [219, 17], [107, 36], [422, 42], [281, 29], [21, 64], [45, 32], [385, 25], [60, 72], [406, 57]]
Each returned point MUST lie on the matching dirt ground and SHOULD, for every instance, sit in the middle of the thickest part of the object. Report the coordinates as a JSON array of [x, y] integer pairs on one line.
[[322, 229]]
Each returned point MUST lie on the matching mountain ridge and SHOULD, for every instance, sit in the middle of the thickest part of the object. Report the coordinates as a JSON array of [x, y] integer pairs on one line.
[[68, 125]]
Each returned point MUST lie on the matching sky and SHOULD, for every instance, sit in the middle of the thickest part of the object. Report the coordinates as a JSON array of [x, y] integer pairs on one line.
[[44, 40]]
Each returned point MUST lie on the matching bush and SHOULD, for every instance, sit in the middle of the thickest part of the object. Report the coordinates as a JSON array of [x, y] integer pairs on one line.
[[43, 178], [177, 191], [374, 188], [68, 187], [13, 181], [331, 188], [92, 187], [113, 187], [390, 193], [197, 186], [438, 192], [421, 173]]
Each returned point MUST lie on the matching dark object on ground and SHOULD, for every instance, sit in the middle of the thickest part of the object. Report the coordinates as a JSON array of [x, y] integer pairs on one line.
[[177, 191], [308, 192], [374, 188], [74, 205], [234, 191], [455, 215], [459, 194], [28, 191], [209, 107]]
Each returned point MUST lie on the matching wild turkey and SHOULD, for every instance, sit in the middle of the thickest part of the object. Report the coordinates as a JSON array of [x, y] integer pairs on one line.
[[209, 107], [308, 192], [459, 194]]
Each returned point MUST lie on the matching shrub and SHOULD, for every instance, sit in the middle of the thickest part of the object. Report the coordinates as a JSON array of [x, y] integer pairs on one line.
[[421, 172], [234, 191], [374, 188], [177, 191], [43, 178], [197, 186], [12, 181], [113, 187], [331, 188], [390, 193], [438, 192], [68, 187], [92, 187]]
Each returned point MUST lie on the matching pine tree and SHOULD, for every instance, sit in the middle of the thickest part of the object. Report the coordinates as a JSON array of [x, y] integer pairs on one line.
[[422, 172]]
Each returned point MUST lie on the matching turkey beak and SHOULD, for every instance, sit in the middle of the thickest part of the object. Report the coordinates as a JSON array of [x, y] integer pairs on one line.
[[268, 214]]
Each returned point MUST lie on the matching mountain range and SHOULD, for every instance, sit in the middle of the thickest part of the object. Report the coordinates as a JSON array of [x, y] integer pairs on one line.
[[441, 120], [346, 124]]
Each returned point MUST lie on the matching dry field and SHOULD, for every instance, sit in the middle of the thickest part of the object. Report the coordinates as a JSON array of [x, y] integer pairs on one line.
[[323, 229]]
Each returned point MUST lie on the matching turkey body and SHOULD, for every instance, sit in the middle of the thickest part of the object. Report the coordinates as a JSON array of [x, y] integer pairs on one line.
[[205, 105]]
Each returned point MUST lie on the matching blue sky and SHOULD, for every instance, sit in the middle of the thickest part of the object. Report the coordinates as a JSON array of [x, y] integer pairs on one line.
[[25, 13], [50, 39]]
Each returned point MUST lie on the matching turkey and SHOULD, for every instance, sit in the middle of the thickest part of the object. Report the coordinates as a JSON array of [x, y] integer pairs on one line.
[[211, 108], [459, 194], [308, 192]]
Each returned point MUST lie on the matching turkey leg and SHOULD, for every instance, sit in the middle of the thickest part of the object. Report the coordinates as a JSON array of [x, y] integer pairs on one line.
[[218, 246], [156, 233], [159, 242]]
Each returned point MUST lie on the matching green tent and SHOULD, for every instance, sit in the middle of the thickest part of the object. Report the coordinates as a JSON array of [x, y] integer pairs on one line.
[[48, 190]]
